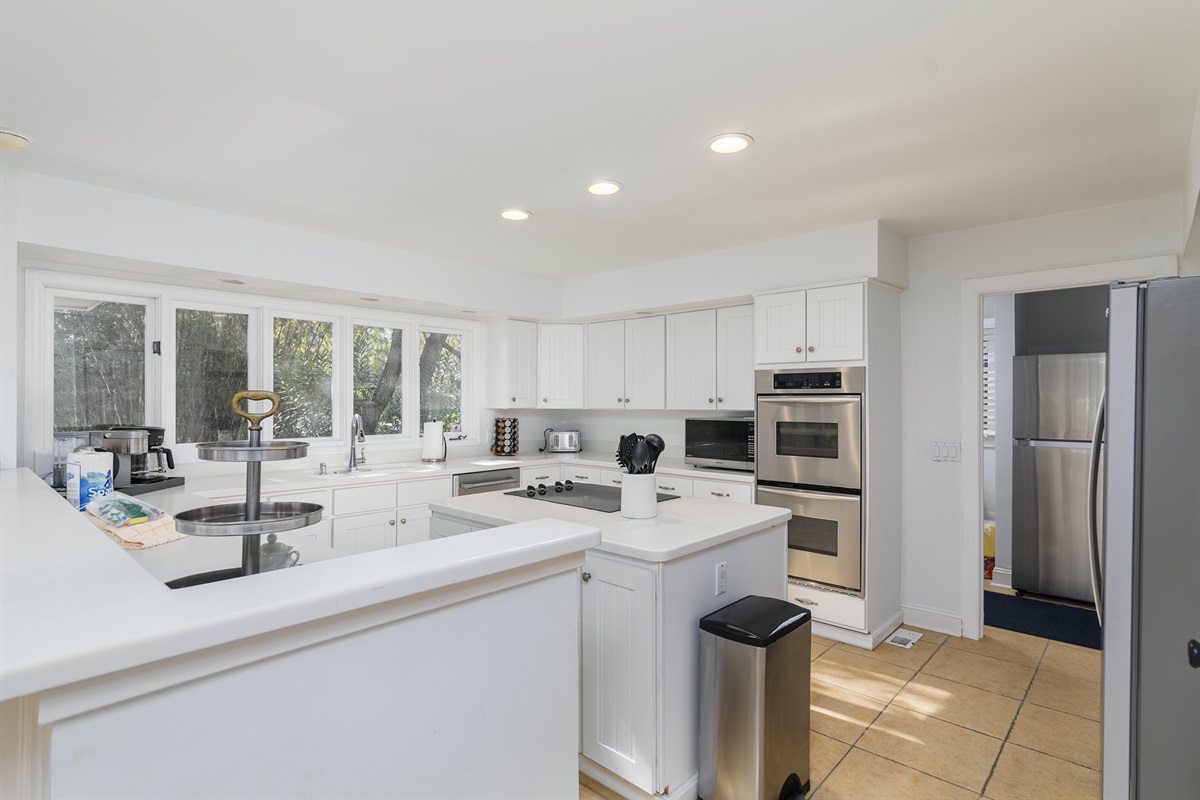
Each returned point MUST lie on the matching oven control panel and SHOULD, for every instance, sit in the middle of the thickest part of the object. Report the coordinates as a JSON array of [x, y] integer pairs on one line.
[[807, 380]]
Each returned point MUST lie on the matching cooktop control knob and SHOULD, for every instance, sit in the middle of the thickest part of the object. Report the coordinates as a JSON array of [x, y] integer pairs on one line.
[[558, 486], [568, 486], [541, 488], [529, 490]]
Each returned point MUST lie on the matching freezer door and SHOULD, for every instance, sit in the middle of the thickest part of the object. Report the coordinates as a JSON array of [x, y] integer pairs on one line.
[[1050, 533], [1057, 397]]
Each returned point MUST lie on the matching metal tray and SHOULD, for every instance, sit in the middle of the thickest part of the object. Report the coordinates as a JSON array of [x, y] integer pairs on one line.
[[229, 519], [243, 451]]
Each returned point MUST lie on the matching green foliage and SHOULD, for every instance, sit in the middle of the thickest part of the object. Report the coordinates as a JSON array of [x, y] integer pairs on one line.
[[99, 365], [210, 368], [378, 378], [441, 378], [303, 378]]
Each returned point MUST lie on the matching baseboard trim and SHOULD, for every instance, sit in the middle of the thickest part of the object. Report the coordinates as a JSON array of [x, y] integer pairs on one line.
[[867, 641], [687, 791], [932, 619], [1002, 578]]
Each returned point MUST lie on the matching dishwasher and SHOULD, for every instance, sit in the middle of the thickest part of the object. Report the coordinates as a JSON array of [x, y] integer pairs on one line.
[[492, 480]]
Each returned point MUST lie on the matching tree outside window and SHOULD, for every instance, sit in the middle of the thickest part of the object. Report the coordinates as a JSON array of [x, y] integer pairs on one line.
[[441, 378]]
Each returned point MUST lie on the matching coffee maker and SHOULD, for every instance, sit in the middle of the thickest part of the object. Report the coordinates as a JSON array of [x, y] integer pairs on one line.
[[150, 465], [126, 443]]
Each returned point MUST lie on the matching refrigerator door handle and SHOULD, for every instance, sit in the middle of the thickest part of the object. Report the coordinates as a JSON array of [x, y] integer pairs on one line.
[[1093, 523]]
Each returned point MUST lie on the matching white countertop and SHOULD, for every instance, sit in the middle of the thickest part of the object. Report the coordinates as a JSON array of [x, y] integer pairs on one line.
[[683, 526], [74, 605]]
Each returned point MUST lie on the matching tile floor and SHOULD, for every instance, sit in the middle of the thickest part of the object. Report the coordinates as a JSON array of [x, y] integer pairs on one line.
[[1008, 716]]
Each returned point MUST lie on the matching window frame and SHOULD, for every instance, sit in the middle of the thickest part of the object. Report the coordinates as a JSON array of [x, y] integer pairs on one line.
[[44, 283]]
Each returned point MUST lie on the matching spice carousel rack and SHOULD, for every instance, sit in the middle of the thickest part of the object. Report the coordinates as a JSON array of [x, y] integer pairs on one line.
[[252, 518]]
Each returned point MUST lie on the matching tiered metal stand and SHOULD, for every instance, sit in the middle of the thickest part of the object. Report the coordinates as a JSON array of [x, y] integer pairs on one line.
[[253, 518]]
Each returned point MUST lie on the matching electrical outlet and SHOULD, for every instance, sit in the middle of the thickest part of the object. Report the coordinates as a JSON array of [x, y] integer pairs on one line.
[[722, 578]]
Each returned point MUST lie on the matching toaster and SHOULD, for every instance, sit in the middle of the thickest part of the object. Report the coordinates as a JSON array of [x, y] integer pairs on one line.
[[561, 441]]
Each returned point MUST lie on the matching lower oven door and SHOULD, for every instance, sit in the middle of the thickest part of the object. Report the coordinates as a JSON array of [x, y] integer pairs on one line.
[[824, 536]]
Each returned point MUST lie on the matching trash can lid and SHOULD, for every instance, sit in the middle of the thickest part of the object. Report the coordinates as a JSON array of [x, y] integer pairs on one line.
[[756, 621]]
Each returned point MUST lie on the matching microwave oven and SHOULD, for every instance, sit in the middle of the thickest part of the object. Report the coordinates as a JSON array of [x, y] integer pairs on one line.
[[722, 442]]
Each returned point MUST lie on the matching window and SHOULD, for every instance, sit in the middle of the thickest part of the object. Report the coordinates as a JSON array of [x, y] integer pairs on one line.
[[378, 378], [441, 378], [303, 372], [211, 365], [989, 378], [99, 363]]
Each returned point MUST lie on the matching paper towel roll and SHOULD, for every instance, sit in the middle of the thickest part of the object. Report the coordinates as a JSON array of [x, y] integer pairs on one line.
[[434, 448]]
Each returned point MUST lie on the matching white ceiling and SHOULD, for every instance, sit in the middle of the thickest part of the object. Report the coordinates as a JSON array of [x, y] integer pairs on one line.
[[414, 123]]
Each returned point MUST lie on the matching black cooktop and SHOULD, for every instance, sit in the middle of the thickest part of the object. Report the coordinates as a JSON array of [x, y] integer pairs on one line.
[[581, 495]]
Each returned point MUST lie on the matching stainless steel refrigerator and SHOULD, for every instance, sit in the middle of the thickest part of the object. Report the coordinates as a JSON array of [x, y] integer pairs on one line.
[[1055, 400], [1148, 541]]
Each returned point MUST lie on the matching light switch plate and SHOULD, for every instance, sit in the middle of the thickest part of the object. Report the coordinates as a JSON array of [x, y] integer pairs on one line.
[[722, 578]]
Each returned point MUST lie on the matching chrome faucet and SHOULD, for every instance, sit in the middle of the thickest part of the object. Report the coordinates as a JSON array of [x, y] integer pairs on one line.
[[356, 435]]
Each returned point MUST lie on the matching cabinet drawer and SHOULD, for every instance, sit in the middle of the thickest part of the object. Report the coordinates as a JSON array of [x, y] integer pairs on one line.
[[410, 493], [318, 496], [611, 477], [724, 490], [532, 476], [581, 474], [358, 499], [830, 607], [672, 485]]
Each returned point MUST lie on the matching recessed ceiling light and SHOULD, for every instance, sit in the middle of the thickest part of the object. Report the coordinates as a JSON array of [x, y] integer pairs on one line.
[[604, 187], [515, 214], [370, 299], [469, 311], [11, 140], [729, 143], [234, 281]]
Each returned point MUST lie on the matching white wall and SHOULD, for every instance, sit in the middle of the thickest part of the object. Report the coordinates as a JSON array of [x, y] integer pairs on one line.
[[931, 355], [12, 320]]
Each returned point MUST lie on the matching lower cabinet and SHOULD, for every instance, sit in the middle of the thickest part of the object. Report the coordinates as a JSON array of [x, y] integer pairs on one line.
[[361, 533], [724, 490]]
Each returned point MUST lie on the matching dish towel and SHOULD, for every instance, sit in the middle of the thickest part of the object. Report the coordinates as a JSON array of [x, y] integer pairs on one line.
[[142, 535]]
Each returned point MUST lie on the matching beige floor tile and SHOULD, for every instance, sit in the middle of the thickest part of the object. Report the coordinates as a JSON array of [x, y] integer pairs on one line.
[[1069, 659], [1022, 774], [1065, 693], [937, 748], [933, 637], [864, 776], [841, 713], [982, 672], [824, 753], [587, 794], [819, 648], [1058, 734], [598, 790], [979, 710], [855, 672], [911, 657], [1005, 645], [821, 641]]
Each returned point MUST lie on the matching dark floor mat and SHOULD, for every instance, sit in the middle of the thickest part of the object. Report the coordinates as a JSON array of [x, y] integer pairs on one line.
[[1042, 618]]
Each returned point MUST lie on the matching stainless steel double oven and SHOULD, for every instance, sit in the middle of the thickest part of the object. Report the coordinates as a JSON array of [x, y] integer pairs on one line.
[[809, 424]]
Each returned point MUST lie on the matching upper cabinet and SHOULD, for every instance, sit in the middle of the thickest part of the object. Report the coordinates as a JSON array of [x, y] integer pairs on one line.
[[560, 365], [625, 364], [823, 324], [512, 363], [710, 359]]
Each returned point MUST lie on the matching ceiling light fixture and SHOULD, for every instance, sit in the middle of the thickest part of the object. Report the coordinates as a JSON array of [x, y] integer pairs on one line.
[[604, 187], [370, 299], [234, 281], [728, 143], [515, 214], [11, 140]]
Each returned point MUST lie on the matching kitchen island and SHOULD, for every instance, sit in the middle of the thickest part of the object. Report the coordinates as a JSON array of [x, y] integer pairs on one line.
[[644, 588], [447, 668]]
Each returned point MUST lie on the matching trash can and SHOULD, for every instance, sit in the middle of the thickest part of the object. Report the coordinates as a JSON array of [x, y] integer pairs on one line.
[[754, 700]]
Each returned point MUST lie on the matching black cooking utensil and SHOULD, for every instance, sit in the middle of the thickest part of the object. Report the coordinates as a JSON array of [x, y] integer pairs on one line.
[[625, 451], [641, 457], [657, 445]]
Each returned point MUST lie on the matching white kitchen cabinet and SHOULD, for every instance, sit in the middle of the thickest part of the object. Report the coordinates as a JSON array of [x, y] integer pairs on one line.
[[579, 473], [612, 477], [617, 650], [512, 363], [626, 364], [824, 324], [669, 484], [532, 476], [710, 359], [316, 534], [724, 490], [560, 357], [361, 533], [412, 524], [359, 499]]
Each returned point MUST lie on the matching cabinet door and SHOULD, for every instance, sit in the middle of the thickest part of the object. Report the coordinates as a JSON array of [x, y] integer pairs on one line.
[[532, 476], [779, 328], [412, 524], [669, 484], [511, 363], [581, 474], [560, 365], [318, 533], [735, 358], [618, 668], [362, 533], [692, 361], [606, 364], [612, 477], [835, 323], [645, 354]]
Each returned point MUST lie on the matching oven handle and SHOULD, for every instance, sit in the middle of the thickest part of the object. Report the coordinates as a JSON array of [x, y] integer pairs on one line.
[[829, 399], [805, 493]]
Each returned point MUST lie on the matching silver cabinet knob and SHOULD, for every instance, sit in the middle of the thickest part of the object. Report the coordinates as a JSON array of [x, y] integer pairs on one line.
[[391, 522], [811, 349], [403, 521], [626, 399], [720, 399], [618, 401], [514, 400], [710, 399], [587, 576], [799, 349], [545, 399]]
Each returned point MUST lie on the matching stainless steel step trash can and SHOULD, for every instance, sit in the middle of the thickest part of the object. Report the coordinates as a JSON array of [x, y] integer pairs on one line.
[[754, 700]]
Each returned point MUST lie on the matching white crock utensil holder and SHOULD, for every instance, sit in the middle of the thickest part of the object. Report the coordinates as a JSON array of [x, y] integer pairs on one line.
[[251, 519], [639, 496]]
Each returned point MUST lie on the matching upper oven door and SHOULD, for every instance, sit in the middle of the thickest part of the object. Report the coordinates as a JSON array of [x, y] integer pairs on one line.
[[811, 440]]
